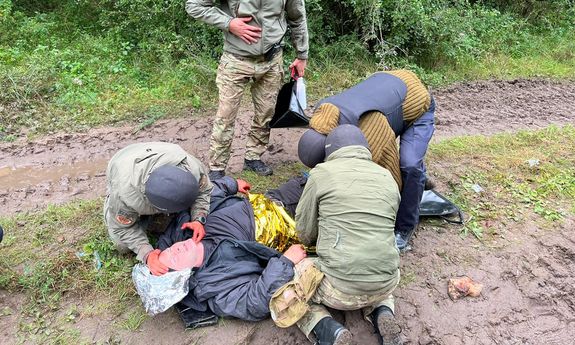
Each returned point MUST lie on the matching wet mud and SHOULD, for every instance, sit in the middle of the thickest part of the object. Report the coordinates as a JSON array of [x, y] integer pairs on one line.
[[528, 298], [529, 289], [65, 166]]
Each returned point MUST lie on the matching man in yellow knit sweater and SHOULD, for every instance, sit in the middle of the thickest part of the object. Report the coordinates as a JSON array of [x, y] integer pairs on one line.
[[384, 106]]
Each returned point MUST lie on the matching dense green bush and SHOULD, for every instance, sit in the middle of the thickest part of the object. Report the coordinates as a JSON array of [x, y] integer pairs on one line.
[[82, 63], [427, 32]]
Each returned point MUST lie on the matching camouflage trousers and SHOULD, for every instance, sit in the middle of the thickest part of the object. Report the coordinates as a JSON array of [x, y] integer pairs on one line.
[[328, 295], [234, 74]]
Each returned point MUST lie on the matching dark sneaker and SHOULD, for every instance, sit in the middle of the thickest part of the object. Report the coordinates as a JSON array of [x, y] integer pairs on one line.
[[386, 326], [258, 167], [402, 243], [216, 174], [330, 332], [1, 233]]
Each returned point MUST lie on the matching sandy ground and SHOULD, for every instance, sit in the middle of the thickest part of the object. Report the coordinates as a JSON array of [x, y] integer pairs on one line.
[[529, 288]]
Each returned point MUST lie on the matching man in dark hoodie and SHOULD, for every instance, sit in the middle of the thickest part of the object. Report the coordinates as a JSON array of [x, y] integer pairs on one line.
[[234, 275], [385, 106]]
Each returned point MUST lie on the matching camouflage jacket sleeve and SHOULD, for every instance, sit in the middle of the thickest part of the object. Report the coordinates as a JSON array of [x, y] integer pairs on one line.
[[201, 206], [297, 21], [125, 226], [306, 214], [207, 12]]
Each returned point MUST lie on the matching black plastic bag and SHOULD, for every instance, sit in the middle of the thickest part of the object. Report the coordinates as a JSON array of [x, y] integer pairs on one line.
[[434, 204], [290, 108]]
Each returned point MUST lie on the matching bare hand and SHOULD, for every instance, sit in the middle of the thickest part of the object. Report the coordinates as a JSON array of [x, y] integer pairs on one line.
[[248, 33], [299, 66], [295, 253]]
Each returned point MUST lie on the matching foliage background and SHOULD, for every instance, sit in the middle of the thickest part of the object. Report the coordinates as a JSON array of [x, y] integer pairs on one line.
[[73, 64]]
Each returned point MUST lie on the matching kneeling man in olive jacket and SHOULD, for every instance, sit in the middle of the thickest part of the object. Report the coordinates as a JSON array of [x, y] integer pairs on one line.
[[347, 210]]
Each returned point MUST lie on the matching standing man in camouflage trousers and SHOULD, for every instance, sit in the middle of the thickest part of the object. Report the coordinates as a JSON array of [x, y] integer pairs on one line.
[[253, 33], [147, 184]]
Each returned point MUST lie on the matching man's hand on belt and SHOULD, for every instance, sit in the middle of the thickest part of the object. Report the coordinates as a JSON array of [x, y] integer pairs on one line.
[[248, 33]]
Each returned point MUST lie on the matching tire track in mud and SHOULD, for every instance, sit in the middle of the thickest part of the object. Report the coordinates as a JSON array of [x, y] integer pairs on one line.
[[61, 167]]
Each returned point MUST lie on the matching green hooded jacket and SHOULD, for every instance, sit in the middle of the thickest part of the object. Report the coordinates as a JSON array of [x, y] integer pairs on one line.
[[127, 173], [272, 16], [348, 209]]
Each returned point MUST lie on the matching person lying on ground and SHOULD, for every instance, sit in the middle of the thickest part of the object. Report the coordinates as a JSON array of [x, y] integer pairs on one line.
[[234, 275], [347, 210], [384, 106], [148, 183]]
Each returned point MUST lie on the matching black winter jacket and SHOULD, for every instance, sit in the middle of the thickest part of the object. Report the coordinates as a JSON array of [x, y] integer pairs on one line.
[[238, 276]]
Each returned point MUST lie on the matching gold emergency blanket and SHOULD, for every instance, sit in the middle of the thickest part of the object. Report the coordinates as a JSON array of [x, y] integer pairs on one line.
[[274, 227]]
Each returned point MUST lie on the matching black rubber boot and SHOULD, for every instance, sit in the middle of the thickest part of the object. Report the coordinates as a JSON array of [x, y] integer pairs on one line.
[[330, 332], [386, 326], [216, 174], [1, 234], [258, 167]]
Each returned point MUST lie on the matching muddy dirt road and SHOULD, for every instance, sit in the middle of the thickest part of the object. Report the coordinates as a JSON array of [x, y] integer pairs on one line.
[[61, 167], [529, 288]]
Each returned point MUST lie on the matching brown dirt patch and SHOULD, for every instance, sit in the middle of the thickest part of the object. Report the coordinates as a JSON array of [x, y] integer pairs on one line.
[[62, 167], [528, 295]]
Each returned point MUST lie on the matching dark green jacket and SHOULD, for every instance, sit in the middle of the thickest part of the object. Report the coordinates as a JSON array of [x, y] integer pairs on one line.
[[272, 16]]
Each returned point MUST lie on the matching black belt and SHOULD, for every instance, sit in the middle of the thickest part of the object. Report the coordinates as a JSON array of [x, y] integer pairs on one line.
[[268, 56]]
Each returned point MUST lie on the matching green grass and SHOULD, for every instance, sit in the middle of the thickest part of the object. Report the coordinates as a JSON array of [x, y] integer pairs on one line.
[[50, 258], [57, 76], [513, 189], [281, 174], [134, 320], [549, 57]]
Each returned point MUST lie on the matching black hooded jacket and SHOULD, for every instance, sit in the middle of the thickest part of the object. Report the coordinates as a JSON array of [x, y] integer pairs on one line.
[[238, 275]]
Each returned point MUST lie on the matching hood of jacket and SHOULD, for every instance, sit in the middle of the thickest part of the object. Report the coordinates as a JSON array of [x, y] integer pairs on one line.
[[352, 151]]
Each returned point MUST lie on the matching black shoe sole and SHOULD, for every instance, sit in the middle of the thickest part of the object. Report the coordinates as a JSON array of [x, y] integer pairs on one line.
[[389, 330], [343, 338]]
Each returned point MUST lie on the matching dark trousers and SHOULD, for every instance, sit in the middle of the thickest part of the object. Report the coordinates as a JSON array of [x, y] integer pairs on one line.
[[412, 148]]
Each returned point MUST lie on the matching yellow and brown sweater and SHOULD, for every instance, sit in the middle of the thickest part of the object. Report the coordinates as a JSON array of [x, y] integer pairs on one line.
[[397, 95]]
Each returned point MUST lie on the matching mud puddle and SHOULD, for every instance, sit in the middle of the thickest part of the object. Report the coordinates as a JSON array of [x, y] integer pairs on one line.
[[61, 167], [16, 178]]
